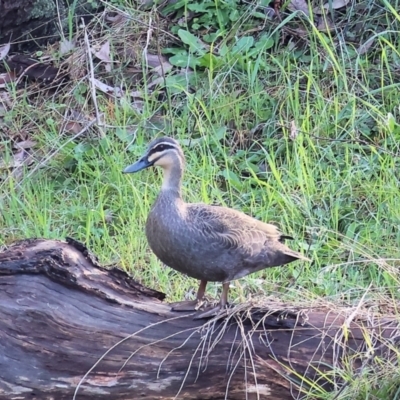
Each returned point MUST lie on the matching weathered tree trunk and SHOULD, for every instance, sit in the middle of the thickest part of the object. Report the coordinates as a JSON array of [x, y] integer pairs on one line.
[[68, 326], [31, 23]]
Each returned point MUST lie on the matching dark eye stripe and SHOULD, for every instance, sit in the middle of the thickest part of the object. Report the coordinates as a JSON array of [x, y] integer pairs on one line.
[[160, 147]]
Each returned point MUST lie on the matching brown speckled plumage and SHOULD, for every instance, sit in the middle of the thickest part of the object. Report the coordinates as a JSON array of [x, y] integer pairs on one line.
[[209, 243]]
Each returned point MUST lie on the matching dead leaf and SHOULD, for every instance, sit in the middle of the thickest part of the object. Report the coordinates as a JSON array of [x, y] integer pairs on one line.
[[365, 46], [325, 24], [4, 50], [155, 60], [116, 19], [335, 4], [157, 81], [77, 115], [163, 68], [104, 55], [291, 45], [7, 77], [160, 64], [138, 105], [76, 121], [6, 100], [293, 130], [72, 127], [299, 5], [137, 94], [114, 91], [25, 144], [66, 46], [19, 159], [269, 12], [33, 69]]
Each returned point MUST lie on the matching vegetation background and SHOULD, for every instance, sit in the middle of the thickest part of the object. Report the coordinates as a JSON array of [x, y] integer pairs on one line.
[[287, 111]]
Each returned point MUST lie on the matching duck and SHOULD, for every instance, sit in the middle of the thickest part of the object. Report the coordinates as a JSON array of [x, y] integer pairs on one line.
[[207, 242]]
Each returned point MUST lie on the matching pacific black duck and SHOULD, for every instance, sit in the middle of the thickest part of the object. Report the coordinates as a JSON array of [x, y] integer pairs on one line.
[[206, 242]]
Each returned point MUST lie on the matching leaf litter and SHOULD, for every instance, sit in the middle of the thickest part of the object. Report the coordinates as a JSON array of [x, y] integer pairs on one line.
[[122, 49]]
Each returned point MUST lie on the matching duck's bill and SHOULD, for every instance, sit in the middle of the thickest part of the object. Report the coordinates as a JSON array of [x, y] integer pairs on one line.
[[137, 166]]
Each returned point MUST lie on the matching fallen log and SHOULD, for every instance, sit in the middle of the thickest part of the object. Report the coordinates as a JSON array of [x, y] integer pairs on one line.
[[71, 329]]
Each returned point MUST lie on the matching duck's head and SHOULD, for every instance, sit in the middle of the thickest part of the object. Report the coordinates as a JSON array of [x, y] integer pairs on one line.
[[163, 152]]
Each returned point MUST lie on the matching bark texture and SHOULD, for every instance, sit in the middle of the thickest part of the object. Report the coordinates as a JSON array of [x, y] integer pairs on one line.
[[68, 325], [29, 24]]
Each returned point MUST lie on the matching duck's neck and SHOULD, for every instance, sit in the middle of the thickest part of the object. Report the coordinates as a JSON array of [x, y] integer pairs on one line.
[[172, 181]]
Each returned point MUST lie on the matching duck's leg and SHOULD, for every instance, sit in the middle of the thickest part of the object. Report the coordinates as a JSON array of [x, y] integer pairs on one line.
[[191, 305], [212, 311]]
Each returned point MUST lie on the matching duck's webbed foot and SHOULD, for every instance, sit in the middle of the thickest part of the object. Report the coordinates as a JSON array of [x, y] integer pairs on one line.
[[191, 305], [220, 309]]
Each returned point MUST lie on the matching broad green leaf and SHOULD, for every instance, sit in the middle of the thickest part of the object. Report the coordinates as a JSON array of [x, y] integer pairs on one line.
[[191, 40], [232, 178], [210, 37], [264, 43], [390, 122], [223, 50], [183, 59], [173, 6], [173, 50], [198, 7], [179, 60], [243, 44], [220, 133], [209, 61], [234, 15]]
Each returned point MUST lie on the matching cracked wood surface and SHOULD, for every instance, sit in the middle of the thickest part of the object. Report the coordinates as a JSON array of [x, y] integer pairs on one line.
[[64, 318]]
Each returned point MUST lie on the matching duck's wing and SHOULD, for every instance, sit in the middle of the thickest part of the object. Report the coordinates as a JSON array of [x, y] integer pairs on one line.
[[244, 244], [232, 228]]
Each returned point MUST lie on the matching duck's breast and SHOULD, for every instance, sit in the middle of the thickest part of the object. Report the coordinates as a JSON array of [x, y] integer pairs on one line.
[[183, 248]]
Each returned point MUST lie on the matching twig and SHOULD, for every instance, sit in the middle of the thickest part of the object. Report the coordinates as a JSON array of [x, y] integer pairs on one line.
[[91, 81]]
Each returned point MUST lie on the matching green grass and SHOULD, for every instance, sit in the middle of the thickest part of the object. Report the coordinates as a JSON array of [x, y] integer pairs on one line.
[[334, 187]]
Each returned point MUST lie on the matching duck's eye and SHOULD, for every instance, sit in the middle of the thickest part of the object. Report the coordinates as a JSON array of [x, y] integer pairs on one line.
[[160, 147]]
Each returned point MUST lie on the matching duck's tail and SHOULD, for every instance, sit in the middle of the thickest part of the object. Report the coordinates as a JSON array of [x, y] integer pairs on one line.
[[295, 254]]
